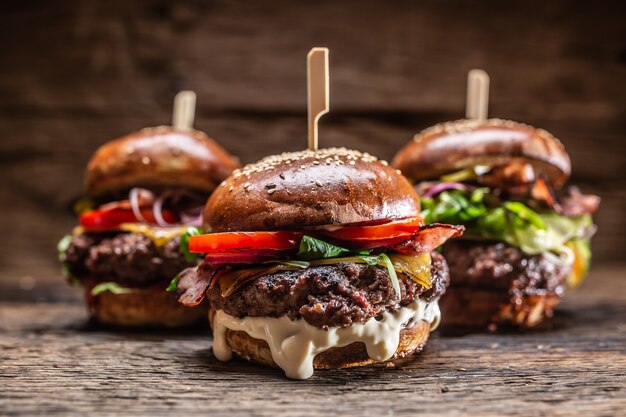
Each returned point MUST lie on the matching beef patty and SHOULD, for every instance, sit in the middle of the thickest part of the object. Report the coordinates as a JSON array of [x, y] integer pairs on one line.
[[495, 283], [328, 296], [131, 259]]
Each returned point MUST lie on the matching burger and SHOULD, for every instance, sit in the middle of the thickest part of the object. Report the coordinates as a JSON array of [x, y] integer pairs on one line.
[[527, 237], [319, 259], [145, 194]]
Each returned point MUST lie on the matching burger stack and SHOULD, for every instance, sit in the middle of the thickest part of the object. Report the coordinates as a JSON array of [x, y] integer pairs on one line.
[[145, 193]]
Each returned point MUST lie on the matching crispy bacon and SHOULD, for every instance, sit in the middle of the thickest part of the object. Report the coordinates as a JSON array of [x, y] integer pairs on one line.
[[543, 193], [574, 203], [428, 238], [194, 282]]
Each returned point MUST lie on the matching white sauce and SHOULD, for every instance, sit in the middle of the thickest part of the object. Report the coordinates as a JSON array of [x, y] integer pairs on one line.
[[294, 343]]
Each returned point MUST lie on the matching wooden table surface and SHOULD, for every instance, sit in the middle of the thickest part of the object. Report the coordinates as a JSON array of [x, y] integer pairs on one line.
[[53, 363]]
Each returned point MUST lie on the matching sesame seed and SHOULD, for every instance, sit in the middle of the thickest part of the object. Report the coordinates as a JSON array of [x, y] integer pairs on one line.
[[282, 176], [230, 190], [271, 191], [318, 183], [352, 162], [145, 160]]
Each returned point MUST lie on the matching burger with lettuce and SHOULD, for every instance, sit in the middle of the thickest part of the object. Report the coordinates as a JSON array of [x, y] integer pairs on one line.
[[145, 194], [526, 238], [319, 259]]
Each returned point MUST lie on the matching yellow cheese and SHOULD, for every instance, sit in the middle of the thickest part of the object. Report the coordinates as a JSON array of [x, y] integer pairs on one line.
[[159, 235]]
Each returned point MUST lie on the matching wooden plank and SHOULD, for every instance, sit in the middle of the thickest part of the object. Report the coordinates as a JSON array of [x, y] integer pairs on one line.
[[54, 364], [131, 58]]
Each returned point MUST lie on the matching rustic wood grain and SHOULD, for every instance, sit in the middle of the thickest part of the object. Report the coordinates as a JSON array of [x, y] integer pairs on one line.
[[52, 363]]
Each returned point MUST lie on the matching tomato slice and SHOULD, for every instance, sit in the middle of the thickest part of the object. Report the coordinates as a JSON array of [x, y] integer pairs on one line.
[[109, 219], [385, 231], [235, 241]]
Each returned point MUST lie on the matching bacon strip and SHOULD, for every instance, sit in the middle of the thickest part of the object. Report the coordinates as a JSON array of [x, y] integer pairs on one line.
[[193, 284], [572, 204], [428, 238], [576, 204]]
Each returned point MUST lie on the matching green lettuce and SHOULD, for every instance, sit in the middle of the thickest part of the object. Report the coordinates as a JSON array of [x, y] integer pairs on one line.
[[512, 221], [110, 287], [184, 243], [311, 248]]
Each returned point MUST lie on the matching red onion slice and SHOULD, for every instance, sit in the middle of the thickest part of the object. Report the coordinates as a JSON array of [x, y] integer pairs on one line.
[[133, 198], [157, 210], [444, 186]]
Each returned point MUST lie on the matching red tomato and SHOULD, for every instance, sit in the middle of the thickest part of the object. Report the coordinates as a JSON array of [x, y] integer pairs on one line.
[[385, 231], [234, 241], [109, 219]]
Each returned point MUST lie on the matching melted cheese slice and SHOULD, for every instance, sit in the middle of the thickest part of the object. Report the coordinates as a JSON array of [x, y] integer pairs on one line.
[[294, 343], [159, 235]]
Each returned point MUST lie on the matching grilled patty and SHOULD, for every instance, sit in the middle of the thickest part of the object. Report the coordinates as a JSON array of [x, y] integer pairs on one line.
[[498, 266], [493, 284], [328, 296], [130, 259]]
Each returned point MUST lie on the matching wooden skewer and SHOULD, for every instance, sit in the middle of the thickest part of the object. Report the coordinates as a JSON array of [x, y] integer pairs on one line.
[[477, 103], [317, 90], [184, 110]]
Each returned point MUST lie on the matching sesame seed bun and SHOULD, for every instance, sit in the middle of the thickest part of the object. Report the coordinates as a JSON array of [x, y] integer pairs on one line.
[[310, 188], [158, 156], [453, 146]]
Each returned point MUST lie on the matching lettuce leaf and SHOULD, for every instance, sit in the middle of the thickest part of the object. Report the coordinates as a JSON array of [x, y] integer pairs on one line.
[[311, 248], [113, 287], [512, 222], [62, 247], [173, 285], [184, 243]]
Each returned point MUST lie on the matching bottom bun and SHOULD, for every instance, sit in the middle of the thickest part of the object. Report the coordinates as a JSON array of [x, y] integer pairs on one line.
[[145, 308], [412, 340], [469, 307]]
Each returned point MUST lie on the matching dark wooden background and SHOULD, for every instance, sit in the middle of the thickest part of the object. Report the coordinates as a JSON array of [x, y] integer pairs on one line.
[[75, 74]]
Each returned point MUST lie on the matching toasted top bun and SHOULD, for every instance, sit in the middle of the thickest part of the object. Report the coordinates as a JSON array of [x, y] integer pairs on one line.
[[310, 188], [158, 156], [453, 146]]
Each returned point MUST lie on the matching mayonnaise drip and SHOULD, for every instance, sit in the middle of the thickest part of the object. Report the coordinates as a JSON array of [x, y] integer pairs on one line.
[[294, 343]]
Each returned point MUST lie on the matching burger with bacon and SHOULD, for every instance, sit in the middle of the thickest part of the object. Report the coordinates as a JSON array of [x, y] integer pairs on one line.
[[526, 238], [319, 259], [145, 195]]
